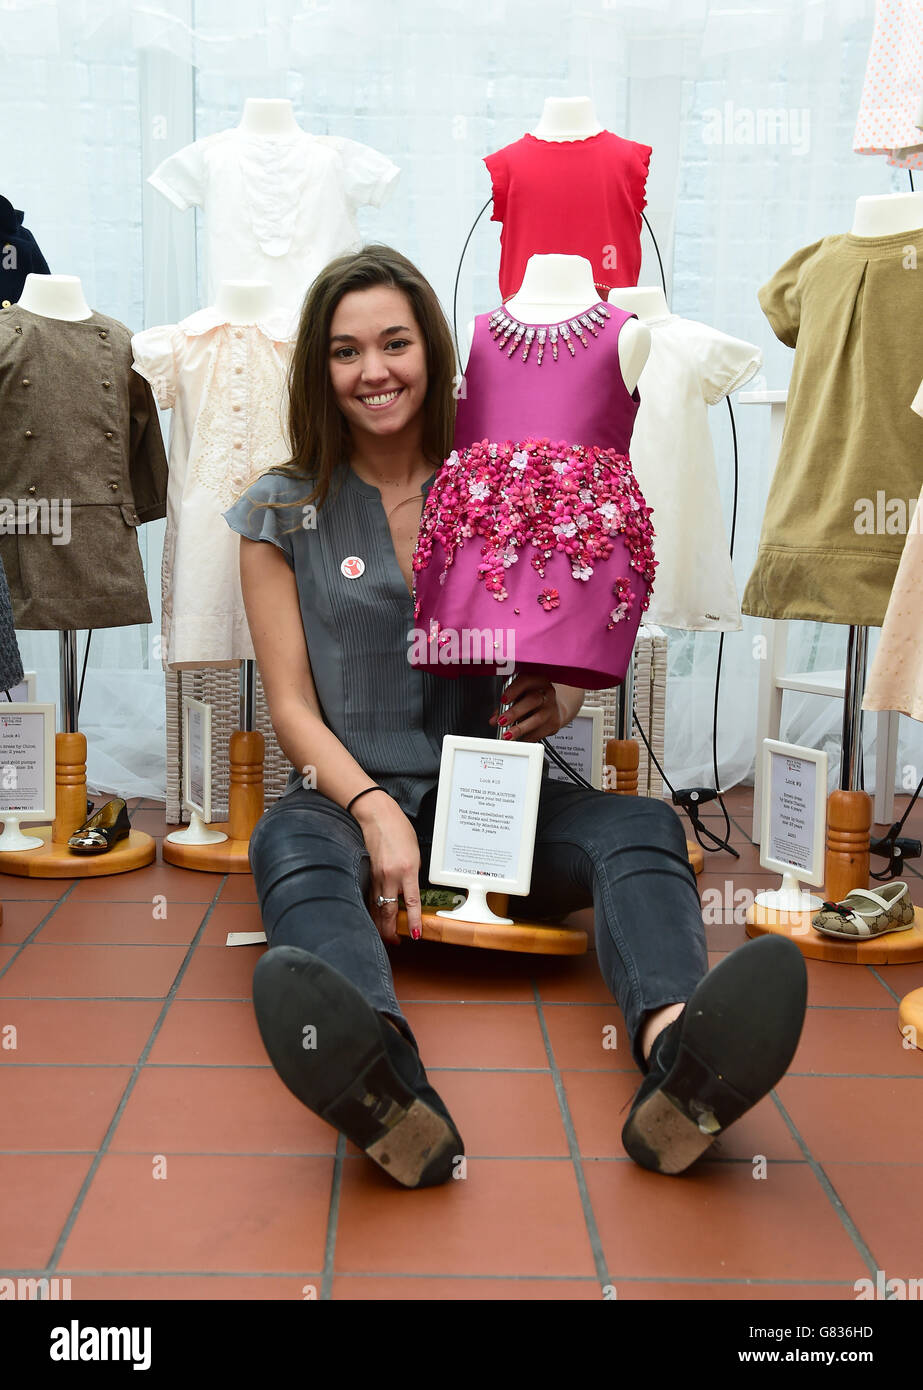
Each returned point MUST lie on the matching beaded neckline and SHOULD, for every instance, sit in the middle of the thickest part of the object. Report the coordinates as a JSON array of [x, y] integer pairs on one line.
[[503, 327]]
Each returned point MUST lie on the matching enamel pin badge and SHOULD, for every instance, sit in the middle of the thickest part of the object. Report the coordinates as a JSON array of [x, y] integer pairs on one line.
[[352, 567]]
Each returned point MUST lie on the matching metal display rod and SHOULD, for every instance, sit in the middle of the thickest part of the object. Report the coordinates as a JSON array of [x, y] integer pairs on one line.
[[247, 694]]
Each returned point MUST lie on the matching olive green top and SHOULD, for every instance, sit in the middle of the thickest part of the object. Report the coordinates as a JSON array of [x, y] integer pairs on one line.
[[852, 308]]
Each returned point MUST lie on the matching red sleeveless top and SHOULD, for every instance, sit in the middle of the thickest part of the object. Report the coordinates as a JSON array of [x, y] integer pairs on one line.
[[572, 198]]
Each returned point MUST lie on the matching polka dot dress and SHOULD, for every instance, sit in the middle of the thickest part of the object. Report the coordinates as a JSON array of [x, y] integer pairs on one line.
[[895, 680], [893, 90]]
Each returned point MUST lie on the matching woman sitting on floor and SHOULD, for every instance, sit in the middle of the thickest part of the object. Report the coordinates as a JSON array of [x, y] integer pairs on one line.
[[370, 423]]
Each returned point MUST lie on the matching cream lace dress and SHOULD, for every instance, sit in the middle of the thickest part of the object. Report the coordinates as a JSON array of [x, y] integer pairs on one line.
[[225, 384]]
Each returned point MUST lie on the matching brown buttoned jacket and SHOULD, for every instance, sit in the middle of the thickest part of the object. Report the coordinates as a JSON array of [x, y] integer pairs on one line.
[[82, 465]]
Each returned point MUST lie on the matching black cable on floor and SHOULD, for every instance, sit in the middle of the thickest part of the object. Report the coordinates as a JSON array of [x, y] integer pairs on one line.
[[888, 844], [690, 800]]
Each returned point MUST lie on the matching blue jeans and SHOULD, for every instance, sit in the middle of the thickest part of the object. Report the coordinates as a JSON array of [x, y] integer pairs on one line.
[[624, 856]]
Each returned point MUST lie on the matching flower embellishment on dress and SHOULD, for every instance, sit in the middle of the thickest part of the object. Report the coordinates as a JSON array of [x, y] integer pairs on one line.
[[503, 328], [552, 497], [626, 597]]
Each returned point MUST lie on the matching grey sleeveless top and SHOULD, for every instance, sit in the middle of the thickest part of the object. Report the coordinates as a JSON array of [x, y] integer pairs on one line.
[[391, 716]]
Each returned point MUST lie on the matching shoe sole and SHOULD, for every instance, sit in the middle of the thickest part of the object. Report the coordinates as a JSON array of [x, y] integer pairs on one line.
[[738, 1035], [348, 1078]]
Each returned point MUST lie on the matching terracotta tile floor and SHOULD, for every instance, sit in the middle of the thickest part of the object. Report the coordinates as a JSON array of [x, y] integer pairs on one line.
[[148, 1150]]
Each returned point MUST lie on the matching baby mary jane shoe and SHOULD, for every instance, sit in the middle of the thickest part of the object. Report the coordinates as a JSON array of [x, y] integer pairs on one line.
[[863, 914]]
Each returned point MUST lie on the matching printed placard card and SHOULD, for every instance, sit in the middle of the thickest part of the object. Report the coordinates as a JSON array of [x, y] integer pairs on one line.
[[27, 760], [197, 756], [794, 811], [25, 691], [580, 744], [486, 812]]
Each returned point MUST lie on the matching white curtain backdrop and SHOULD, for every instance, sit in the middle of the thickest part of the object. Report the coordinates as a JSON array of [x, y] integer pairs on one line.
[[94, 93]]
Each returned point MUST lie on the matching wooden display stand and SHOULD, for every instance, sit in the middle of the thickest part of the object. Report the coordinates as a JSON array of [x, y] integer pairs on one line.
[[849, 832], [895, 948], [245, 806], [846, 866], [531, 938], [846, 861], [536, 938], [53, 859], [624, 755], [910, 1017]]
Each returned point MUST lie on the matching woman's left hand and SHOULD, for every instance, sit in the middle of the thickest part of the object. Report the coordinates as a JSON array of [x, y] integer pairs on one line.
[[530, 709]]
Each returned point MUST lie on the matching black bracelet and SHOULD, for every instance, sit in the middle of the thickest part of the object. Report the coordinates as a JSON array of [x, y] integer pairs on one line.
[[376, 788]]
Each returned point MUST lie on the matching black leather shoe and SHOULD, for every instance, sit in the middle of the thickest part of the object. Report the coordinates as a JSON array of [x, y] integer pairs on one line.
[[731, 1044], [344, 1061], [104, 828]]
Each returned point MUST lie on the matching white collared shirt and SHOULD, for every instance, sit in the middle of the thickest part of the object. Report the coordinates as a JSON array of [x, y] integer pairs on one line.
[[277, 208]]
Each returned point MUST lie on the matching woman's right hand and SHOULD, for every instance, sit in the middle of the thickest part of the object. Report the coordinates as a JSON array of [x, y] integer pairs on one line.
[[394, 852]]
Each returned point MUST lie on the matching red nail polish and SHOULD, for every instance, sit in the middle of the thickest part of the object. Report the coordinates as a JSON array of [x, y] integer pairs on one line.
[[508, 734], [416, 933], [503, 719]]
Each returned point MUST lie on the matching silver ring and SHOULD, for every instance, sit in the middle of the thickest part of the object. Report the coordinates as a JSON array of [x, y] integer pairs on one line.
[[380, 901]]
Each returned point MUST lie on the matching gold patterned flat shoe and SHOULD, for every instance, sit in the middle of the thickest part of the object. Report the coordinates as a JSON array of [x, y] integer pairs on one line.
[[103, 829], [863, 914]]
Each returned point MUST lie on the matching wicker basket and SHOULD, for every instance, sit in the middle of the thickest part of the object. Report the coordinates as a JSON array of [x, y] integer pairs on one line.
[[220, 688], [650, 692]]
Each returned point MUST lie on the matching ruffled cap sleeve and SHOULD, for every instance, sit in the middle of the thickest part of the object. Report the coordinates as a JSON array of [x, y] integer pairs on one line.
[[284, 521]]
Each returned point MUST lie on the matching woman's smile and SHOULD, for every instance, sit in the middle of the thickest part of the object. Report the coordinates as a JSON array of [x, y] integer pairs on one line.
[[382, 399]]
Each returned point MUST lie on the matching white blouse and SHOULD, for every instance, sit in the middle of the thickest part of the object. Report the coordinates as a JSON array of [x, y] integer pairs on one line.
[[277, 208], [690, 367], [225, 384]]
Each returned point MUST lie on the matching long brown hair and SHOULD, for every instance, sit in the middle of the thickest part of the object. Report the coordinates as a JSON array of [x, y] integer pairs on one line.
[[318, 435]]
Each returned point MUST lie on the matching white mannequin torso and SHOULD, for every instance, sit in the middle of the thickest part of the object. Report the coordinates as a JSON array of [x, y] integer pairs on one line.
[[567, 118], [268, 118], [647, 301], [244, 301], [888, 215], [555, 288], [55, 297]]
